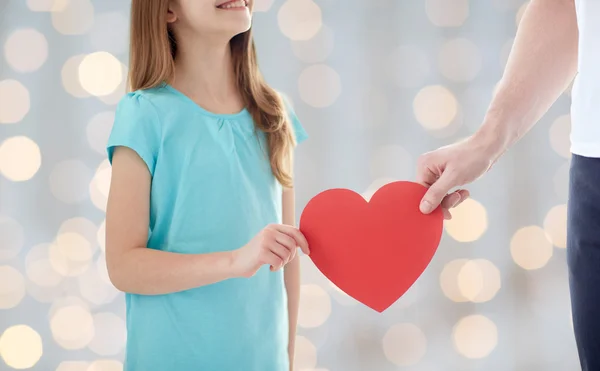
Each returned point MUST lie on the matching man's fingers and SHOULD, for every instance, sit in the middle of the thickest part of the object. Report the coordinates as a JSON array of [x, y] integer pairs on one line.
[[451, 200], [447, 215], [425, 176], [464, 194], [436, 193]]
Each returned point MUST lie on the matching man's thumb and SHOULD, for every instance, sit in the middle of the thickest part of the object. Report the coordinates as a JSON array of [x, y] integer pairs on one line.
[[436, 193]]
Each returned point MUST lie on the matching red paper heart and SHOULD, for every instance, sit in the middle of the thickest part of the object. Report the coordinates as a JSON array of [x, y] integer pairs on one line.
[[373, 251]]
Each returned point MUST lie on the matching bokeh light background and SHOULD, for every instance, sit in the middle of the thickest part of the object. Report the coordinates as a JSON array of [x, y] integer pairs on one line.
[[376, 83]]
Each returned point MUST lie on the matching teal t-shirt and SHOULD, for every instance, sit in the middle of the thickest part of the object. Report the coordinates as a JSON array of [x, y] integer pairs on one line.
[[212, 190]]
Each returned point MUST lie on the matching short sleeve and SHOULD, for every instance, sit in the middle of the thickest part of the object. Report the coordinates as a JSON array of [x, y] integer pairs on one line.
[[299, 131], [136, 126]]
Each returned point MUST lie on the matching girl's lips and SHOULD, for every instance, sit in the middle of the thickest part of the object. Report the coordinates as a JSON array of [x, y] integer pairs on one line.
[[233, 5]]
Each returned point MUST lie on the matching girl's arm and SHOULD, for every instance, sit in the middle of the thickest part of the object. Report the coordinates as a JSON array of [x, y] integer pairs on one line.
[[291, 274], [132, 266]]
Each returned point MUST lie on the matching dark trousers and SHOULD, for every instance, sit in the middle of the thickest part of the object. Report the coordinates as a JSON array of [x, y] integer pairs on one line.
[[583, 256]]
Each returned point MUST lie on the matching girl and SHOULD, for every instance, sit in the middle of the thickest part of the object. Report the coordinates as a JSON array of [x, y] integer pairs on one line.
[[201, 153]]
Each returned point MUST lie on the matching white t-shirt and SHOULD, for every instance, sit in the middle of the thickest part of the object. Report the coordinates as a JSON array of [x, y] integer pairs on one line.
[[585, 107]]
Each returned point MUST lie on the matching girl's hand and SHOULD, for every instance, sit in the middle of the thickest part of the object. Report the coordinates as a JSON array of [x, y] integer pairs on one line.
[[275, 245]]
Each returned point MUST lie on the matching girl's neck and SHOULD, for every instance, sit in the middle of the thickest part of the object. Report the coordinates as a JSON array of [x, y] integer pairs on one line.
[[204, 72]]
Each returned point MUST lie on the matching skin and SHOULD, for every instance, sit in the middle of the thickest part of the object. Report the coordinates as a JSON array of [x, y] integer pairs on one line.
[[203, 73], [548, 32]]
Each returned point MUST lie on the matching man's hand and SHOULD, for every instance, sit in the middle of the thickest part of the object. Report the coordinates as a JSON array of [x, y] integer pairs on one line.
[[548, 32], [450, 167]]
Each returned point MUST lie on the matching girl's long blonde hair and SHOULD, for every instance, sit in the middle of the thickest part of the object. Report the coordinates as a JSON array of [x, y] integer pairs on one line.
[[153, 50]]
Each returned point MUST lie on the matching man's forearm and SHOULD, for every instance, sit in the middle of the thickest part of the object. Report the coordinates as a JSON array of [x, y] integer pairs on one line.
[[542, 63]]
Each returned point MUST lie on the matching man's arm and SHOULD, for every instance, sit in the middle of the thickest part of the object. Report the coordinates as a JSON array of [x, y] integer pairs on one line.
[[291, 274], [542, 63]]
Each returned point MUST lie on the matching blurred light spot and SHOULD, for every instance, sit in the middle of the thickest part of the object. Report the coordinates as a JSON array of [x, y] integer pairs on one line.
[[305, 354], [100, 73], [114, 98], [110, 33], [409, 66], [479, 280], [12, 238], [15, 101], [319, 85], [404, 344], [20, 158], [299, 19], [559, 136], [449, 280], [447, 13], [69, 181], [555, 225], [561, 181], [100, 185], [83, 227], [76, 18], [98, 131], [12, 287], [70, 77], [101, 236], [315, 306], [109, 336], [475, 336], [505, 52], [70, 254], [47, 5], [106, 365], [392, 161], [317, 48], [21, 347], [39, 269], [72, 327], [520, 13], [435, 107], [469, 221], [26, 50], [262, 5], [460, 60], [94, 288], [374, 187], [73, 366], [530, 248]]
